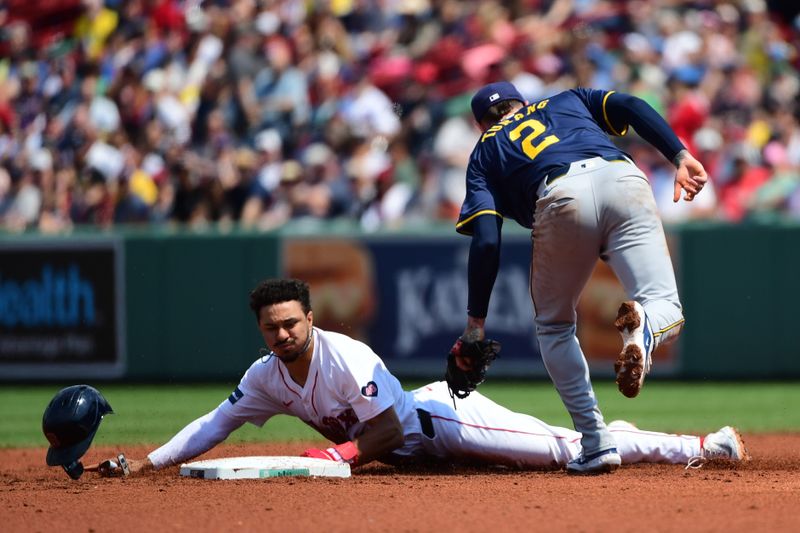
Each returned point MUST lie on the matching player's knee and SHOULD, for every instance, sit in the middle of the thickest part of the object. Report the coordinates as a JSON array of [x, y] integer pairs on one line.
[[554, 338], [555, 330]]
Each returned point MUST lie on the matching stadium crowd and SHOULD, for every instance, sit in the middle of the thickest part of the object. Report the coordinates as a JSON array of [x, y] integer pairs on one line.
[[257, 112]]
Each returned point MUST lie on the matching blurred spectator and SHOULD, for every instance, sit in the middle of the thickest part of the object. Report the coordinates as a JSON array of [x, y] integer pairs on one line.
[[775, 195], [452, 147], [688, 107], [278, 96], [268, 163], [744, 175], [5, 192], [259, 112], [94, 27]]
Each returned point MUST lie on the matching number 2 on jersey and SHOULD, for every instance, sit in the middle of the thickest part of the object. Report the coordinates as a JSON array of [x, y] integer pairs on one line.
[[530, 149]]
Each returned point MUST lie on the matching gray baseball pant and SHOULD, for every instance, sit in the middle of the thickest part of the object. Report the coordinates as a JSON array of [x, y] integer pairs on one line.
[[599, 209]]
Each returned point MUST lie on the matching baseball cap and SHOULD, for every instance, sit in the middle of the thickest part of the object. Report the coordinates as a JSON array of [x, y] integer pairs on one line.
[[492, 94]]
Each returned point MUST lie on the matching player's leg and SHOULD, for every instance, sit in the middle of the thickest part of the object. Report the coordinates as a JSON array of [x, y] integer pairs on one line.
[[481, 430], [639, 446], [636, 249], [566, 241]]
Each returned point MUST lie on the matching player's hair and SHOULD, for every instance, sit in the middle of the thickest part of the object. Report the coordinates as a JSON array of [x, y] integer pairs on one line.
[[495, 113], [274, 291]]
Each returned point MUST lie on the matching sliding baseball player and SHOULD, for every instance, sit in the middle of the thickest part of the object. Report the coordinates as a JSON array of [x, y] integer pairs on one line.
[[340, 387]]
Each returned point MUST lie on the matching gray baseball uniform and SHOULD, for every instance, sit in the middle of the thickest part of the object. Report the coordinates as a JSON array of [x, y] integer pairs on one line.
[[551, 167]]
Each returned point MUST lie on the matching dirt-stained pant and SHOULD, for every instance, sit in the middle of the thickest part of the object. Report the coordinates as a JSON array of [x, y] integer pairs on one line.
[[598, 209]]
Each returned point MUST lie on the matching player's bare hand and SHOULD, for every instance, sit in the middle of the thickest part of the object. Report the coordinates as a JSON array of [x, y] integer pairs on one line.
[[139, 466], [120, 466], [474, 332], [690, 176]]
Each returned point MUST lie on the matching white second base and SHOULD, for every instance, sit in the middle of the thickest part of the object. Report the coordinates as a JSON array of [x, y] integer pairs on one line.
[[256, 467]]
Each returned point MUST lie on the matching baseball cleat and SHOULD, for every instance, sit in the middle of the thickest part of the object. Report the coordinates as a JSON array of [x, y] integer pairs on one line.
[[602, 462], [635, 359], [726, 443]]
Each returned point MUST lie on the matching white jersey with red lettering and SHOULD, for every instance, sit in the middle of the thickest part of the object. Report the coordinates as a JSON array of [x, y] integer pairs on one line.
[[348, 384]]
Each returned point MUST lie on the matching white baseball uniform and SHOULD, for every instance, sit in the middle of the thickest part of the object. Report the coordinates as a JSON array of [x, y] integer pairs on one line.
[[348, 384]]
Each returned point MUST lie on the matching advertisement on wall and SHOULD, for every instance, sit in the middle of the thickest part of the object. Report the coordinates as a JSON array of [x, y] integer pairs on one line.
[[407, 299], [61, 310]]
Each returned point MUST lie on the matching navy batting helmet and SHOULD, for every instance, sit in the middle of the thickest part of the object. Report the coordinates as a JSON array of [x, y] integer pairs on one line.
[[70, 423]]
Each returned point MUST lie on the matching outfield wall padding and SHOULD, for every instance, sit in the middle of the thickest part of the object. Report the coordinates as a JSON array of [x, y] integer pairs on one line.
[[180, 311], [740, 287], [187, 306]]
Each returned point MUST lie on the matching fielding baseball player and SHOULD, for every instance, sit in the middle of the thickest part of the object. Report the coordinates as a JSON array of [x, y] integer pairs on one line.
[[340, 387], [551, 167]]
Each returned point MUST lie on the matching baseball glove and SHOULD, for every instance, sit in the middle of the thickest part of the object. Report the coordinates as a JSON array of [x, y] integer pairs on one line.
[[479, 355]]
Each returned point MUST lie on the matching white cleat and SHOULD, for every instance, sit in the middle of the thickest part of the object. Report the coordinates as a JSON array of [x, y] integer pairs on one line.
[[635, 359], [723, 445], [726, 443]]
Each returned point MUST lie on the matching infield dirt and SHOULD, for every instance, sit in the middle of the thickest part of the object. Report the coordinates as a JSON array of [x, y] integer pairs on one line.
[[761, 495]]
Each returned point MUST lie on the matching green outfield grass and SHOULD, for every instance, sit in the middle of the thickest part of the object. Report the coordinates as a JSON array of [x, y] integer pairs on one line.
[[151, 414]]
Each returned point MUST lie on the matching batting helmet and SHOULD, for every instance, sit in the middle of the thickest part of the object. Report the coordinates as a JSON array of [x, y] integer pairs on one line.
[[70, 423]]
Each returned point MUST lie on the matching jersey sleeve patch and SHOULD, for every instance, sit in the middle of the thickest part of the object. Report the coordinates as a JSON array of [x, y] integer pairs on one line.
[[370, 390]]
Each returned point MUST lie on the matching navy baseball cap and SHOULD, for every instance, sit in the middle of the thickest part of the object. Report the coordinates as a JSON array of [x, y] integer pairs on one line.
[[492, 94]]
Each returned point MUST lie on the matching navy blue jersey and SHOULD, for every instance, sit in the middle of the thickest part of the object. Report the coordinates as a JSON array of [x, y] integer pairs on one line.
[[512, 157]]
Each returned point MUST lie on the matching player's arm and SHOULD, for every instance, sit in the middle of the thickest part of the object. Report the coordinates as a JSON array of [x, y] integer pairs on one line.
[[623, 110], [481, 219], [381, 435], [482, 267], [195, 439]]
